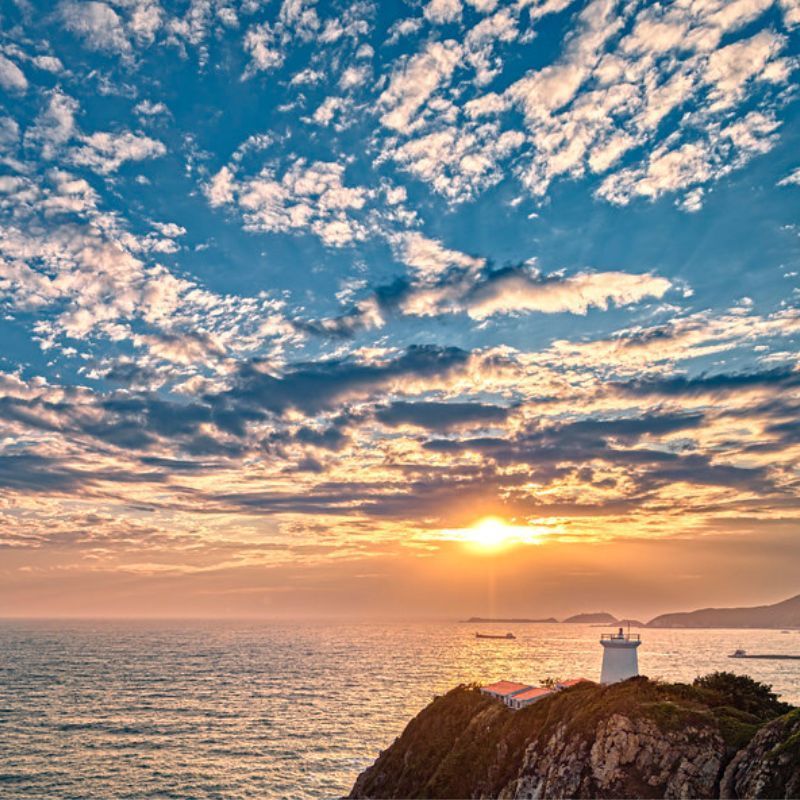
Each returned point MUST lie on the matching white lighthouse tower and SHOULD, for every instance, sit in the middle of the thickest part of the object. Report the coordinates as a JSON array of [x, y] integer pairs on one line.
[[619, 656]]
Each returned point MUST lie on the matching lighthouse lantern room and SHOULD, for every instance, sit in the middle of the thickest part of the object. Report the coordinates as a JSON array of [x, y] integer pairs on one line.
[[620, 661]]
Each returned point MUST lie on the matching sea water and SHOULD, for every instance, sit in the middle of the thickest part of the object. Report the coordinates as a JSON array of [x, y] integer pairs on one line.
[[264, 710]]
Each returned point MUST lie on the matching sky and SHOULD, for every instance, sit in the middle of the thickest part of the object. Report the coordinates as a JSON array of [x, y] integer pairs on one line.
[[294, 294]]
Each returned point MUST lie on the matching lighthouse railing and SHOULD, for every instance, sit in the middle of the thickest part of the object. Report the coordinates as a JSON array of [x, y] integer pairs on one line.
[[628, 637]]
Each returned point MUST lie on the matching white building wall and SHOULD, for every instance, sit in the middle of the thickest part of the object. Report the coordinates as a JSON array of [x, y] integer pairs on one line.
[[620, 661], [518, 704]]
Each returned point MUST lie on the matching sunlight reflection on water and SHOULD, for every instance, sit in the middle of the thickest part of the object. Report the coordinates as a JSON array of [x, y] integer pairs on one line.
[[246, 710]]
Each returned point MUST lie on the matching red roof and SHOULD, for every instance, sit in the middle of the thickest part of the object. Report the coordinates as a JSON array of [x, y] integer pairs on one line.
[[530, 694], [504, 687]]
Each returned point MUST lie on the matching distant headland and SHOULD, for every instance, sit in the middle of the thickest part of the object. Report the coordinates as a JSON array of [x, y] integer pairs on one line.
[[785, 614]]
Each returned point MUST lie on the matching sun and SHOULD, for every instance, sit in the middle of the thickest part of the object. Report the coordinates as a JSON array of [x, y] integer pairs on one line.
[[490, 533], [493, 534]]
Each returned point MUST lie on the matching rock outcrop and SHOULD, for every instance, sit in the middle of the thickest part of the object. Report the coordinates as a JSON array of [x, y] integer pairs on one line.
[[628, 758], [769, 767], [634, 739]]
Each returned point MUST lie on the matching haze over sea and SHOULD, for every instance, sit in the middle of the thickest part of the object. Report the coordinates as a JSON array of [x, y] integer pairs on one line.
[[136, 709]]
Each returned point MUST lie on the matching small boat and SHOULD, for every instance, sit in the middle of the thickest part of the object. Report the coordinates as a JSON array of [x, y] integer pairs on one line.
[[495, 636], [779, 656]]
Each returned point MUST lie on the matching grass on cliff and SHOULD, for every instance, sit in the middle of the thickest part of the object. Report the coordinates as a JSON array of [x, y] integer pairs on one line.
[[791, 746], [465, 744]]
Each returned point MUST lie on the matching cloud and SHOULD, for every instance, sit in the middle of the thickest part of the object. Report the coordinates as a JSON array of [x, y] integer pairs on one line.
[[216, 424], [711, 386], [635, 95], [27, 472], [403, 27], [305, 197], [324, 384], [791, 12], [88, 278], [12, 78], [327, 110], [515, 291], [730, 68], [262, 44], [49, 64], [415, 80], [450, 282], [480, 44], [184, 347], [115, 26], [147, 108], [560, 452], [96, 274], [97, 24], [442, 11], [54, 126], [793, 178], [458, 162], [428, 257], [328, 439], [106, 152], [300, 14], [681, 338], [146, 19], [268, 44], [441, 416], [670, 170], [542, 92], [354, 76]]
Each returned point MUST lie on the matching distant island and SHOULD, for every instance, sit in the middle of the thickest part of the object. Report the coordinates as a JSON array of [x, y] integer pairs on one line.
[[722, 736], [599, 617], [517, 620], [783, 615]]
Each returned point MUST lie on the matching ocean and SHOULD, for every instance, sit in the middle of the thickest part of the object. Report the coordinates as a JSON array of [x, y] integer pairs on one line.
[[232, 710]]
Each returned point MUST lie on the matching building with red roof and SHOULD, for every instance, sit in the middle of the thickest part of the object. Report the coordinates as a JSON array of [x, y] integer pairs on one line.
[[519, 695], [504, 690], [528, 697]]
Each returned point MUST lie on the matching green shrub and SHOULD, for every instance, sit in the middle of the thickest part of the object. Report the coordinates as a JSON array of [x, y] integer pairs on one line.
[[744, 693]]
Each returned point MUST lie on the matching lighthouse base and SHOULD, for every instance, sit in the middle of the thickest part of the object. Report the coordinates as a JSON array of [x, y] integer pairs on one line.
[[620, 661]]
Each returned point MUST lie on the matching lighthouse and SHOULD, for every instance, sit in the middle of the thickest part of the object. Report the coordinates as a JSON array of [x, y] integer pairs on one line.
[[619, 656]]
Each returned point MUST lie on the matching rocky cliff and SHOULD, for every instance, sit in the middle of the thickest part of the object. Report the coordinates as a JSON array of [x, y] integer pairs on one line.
[[723, 736], [770, 764]]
